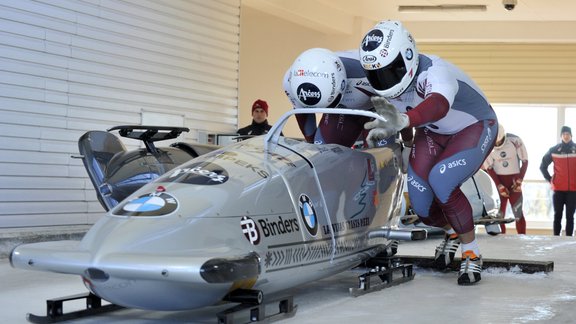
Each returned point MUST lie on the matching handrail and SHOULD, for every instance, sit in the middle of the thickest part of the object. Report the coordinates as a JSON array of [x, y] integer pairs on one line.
[[274, 133]]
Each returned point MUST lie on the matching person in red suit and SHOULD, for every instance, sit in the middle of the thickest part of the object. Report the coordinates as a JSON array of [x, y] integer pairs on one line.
[[506, 165], [563, 181]]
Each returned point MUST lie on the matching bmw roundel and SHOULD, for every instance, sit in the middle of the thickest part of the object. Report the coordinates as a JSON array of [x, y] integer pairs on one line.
[[308, 214], [153, 204], [409, 54]]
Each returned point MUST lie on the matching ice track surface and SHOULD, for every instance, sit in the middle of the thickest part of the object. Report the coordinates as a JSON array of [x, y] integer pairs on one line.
[[501, 297]]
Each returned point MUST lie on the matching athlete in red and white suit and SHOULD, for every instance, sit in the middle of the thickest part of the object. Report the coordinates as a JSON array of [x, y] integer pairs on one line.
[[455, 131], [506, 165]]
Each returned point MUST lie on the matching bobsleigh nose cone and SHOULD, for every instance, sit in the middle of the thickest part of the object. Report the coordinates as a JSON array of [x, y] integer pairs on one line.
[[96, 274]]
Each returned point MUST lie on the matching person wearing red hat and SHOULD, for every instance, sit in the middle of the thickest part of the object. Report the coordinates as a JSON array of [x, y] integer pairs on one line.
[[563, 180], [259, 125]]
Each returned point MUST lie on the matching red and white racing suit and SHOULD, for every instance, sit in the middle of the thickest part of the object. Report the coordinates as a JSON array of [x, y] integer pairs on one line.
[[507, 166], [563, 183], [455, 131]]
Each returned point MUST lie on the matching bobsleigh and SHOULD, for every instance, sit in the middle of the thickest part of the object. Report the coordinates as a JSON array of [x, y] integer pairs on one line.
[[116, 172], [251, 218]]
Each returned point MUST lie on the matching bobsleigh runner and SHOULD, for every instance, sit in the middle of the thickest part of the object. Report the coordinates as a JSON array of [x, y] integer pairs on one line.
[[190, 225]]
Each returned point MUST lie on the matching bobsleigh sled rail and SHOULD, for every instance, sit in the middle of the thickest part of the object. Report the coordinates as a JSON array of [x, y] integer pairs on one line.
[[55, 312], [525, 266]]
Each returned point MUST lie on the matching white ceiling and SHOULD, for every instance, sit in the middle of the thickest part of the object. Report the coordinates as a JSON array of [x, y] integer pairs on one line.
[[530, 21]]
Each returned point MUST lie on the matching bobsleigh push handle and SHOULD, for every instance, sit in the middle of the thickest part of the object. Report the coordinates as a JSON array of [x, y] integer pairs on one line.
[[274, 133]]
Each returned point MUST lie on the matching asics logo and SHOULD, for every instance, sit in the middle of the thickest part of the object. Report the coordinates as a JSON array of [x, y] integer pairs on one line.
[[453, 164], [414, 183], [486, 141]]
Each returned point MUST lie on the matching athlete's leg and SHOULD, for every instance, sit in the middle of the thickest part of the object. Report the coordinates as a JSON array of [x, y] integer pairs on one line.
[[558, 203], [516, 200], [422, 157], [462, 156], [502, 211], [570, 203]]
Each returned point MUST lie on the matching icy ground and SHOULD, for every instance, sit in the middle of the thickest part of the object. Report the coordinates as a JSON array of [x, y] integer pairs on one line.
[[432, 297]]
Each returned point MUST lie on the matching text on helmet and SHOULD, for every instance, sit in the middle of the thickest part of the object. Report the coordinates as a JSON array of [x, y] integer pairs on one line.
[[308, 73]]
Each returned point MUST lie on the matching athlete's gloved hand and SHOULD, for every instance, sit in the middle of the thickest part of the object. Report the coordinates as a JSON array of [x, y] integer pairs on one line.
[[503, 191], [380, 130], [517, 185]]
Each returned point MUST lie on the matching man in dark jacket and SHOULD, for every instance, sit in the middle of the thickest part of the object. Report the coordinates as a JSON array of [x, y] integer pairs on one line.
[[259, 124], [563, 181]]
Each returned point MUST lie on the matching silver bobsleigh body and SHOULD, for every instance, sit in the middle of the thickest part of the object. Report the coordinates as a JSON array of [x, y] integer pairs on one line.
[[264, 214]]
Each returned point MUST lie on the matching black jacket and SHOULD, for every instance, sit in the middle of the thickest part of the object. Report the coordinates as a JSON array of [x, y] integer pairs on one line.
[[255, 128]]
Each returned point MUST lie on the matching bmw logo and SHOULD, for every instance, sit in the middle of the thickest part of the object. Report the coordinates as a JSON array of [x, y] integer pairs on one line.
[[308, 214], [409, 54], [153, 204]]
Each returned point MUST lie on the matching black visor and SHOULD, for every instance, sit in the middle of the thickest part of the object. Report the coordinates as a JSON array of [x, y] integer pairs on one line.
[[388, 76], [335, 102]]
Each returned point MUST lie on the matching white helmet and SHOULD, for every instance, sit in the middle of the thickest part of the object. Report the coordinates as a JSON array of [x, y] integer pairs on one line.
[[317, 79], [389, 57]]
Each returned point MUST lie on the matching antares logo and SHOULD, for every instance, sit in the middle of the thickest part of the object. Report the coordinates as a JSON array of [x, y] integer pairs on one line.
[[309, 94], [372, 40]]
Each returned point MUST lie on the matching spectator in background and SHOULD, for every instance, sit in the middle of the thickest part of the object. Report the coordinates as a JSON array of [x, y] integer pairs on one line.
[[506, 165], [563, 181], [259, 125]]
